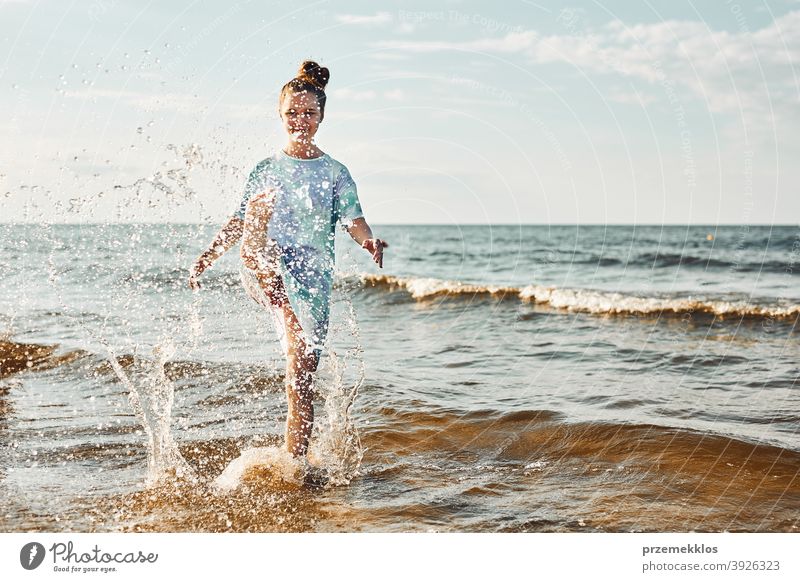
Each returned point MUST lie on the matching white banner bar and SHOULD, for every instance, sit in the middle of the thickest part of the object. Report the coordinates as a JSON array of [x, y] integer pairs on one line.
[[355, 557]]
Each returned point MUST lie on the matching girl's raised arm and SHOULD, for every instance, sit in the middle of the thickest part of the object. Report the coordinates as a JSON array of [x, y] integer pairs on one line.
[[228, 236]]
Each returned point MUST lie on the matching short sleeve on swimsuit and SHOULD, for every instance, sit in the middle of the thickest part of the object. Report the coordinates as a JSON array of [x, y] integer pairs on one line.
[[256, 183], [349, 206]]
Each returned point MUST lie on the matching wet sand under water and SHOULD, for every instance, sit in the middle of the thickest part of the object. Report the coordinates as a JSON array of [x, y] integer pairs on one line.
[[447, 471]]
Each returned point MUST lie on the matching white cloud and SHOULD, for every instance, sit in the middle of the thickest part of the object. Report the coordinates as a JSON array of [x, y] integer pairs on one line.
[[364, 20], [349, 94], [745, 72], [354, 94], [394, 95], [630, 97], [387, 56], [406, 27], [511, 43]]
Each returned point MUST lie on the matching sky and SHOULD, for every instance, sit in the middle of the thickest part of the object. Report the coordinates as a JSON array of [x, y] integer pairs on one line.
[[453, 112]]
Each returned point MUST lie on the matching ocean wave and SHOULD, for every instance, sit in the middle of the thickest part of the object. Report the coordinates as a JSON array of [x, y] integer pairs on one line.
[[548, 436], [425, 287], [585, 300], [610, 303], [663, 260]]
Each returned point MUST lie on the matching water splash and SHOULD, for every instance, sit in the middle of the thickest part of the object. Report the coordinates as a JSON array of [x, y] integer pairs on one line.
[[335, 450], [195, 324], [336, 446], [152, 405], [272, 465]]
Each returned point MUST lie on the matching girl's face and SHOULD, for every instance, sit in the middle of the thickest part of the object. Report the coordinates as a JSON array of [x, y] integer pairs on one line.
[[301, 116]]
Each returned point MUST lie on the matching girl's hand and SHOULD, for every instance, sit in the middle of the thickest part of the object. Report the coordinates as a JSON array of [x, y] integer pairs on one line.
[[194, 273], [375, 247]]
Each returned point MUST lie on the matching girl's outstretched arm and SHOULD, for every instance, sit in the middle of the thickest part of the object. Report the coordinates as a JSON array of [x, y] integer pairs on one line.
[[228, 236], [362, 234]]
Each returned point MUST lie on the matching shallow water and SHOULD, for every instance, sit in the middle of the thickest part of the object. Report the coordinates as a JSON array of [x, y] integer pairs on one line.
[[513, 378]]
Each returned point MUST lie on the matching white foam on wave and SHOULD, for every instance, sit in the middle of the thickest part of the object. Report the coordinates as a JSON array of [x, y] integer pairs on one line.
[[603, 302], [427, 287], [422, 287], [587, 300]]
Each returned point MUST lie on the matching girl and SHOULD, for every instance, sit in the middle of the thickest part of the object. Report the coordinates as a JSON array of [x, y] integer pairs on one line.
[[286, 220]]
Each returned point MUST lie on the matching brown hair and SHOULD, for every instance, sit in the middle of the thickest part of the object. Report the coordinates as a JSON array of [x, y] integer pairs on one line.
[[310, 77]]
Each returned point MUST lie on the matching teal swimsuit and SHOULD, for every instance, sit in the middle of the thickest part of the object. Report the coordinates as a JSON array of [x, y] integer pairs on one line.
[[311, 197]]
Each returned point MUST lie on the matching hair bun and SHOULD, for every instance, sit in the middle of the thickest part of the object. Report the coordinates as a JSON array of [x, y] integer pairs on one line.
[[313, 73]]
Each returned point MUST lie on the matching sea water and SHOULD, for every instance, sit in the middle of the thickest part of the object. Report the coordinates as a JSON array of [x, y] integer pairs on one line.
[[489, 378]]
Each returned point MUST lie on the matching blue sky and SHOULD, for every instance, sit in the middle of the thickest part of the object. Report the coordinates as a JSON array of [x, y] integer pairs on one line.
[[450, 112]]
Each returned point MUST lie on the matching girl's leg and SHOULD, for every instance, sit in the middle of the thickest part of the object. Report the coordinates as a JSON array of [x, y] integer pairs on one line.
[[300, 366]]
